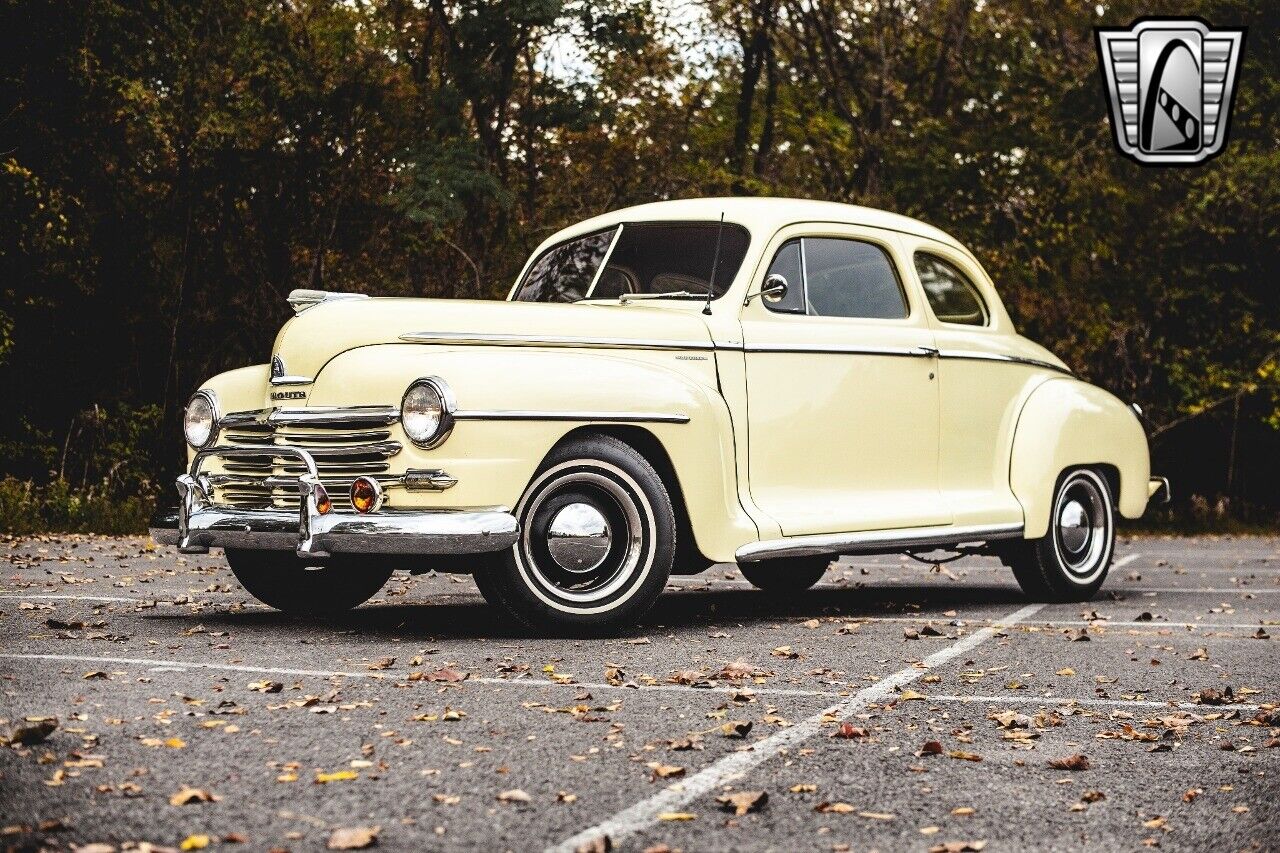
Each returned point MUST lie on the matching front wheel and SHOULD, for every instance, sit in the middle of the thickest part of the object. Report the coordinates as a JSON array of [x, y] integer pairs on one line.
[[1070, 562], [597, 541], [309, 587], [785, 575]]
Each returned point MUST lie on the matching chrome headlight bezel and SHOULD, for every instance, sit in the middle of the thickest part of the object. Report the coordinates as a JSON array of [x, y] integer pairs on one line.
[[447, 406], [211, 400]]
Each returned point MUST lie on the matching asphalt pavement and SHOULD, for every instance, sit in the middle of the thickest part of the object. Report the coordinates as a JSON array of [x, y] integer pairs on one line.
[[892, 707]]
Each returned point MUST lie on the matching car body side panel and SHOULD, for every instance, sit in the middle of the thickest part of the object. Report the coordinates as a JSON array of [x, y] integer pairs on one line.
[[1067, 423], [494, 459]]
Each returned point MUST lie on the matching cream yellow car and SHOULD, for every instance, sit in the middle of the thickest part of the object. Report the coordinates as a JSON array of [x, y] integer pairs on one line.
[[767, 382]]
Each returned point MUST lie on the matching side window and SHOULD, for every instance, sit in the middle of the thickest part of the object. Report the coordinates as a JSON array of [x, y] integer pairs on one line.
[[952, 296], [787, 264], [850, 278]]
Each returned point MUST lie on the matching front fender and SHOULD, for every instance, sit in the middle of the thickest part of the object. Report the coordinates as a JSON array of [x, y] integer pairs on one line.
[[495, 459], [239, 390], [1066, 423]]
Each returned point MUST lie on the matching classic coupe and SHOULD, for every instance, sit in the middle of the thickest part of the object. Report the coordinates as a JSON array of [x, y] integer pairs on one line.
[[767, 382]]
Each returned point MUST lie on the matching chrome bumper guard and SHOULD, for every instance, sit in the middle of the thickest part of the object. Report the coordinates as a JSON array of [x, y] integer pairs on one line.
[[198, 524], [1159, 490]]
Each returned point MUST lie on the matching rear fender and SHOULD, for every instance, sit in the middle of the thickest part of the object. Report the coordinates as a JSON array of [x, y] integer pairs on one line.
[[1066, 423]]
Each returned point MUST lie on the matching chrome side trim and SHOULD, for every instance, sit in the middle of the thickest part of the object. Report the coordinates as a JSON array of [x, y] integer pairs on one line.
[[536, 415], [841, 349], [874, 541], [551, 341], [976, 355]]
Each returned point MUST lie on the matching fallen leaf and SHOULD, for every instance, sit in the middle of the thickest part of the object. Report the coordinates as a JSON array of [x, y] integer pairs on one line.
[[194, 842], [188, 795], [931, 747], [849, 731], [1199, 654], [803, 788], [909, 695], [266, 686], [35, 733], [964, 756], [677, 816], [336, 776], [1071, 762], [355, 838], [665, 771], [382, 663], [742, 802], [515, 795], [958, 847], [1261, 634], [447, 674], [1191, 794], [834, 808], [736, 728]]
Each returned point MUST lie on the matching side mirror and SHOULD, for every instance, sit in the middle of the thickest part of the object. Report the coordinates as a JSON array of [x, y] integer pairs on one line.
[[774, 289]]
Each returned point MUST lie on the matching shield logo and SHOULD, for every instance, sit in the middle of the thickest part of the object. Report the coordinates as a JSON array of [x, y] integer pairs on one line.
[[1170, 83]]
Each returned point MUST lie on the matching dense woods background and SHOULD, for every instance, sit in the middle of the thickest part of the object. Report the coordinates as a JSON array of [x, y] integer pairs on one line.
[[169, 170]]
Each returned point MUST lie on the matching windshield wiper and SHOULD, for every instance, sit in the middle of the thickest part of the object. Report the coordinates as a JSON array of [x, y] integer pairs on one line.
[[676, 294]]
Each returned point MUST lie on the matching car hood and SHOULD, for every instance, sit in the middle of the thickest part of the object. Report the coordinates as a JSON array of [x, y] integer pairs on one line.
[[308, 341]]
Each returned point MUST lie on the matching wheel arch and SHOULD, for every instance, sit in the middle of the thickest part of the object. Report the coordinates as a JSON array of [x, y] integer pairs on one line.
[[1067, 424], [648, 445]]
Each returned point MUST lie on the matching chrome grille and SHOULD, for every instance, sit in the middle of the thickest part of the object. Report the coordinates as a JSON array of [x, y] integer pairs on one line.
[[345, 444]]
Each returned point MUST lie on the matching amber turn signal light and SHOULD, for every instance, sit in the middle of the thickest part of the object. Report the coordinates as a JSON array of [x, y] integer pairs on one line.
[[323, 503], [366, 494]]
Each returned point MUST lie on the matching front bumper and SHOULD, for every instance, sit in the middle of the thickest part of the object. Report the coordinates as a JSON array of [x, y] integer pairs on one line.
[[198, 524]]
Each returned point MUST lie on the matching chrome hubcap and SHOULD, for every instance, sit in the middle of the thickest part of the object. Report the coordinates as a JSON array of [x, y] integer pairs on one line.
[[578, 538], [1082, 521], [1073, 526]]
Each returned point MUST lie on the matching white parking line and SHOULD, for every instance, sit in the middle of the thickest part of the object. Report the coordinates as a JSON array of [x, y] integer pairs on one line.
[[160, 665], [1124, 561], [645, 812], [48, 597], [1063, 700]]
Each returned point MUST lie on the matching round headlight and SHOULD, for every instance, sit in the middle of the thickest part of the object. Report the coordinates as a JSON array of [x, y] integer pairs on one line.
[[200, 421], [426, 412]]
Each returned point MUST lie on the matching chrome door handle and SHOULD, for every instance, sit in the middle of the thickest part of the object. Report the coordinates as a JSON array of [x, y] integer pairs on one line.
[[927, 352]]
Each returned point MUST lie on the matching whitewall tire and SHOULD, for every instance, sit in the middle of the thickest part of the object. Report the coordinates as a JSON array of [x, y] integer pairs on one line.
[[597, 541]]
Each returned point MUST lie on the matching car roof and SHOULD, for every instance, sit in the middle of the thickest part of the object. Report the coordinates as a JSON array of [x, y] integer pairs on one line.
[[761, 216]]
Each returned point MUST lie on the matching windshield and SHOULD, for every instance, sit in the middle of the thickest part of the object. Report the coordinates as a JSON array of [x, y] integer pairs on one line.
[[673, 259]]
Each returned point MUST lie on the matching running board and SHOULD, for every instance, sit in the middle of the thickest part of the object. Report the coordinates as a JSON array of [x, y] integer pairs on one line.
[[874, 541]]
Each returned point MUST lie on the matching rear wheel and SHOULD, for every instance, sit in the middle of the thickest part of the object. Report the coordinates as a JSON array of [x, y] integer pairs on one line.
[[293, 584], [795, 574], [597, 541], [1070, 562]]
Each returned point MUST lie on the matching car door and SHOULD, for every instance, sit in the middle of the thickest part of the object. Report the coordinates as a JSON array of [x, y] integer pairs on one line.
[[981, 383], [842, 402]]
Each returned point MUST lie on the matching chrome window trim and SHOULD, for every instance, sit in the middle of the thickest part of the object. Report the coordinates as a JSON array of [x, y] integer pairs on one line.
[[604, 262], [873, 541], [498, 339]]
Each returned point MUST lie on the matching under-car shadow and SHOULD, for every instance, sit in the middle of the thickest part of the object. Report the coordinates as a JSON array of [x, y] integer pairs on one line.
[[690, 608]]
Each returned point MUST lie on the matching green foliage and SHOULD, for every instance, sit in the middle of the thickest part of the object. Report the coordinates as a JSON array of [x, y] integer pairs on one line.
[[171, 169]]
